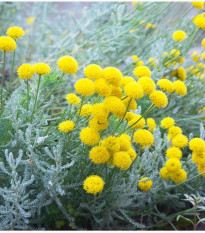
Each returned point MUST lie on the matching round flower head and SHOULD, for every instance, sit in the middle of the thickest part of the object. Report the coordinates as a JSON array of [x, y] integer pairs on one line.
[[179, 35], [7, 43], [179, 176], [111, 143], [173, 165], [25, 71], [41, 68], [166, 85], [116, 91], [84, 87], [125, 144], [198, 5], [164, 173], [201, 169], [197, 145], [99, 111], [145, 184], [125, 80], [114, 105], [167, 122], [15, 32], [93, 71], [122, 160], [102, 87], [138, 124], [198, 158], [175, 52], [93, 184], [199, 21], [73, 99], [139, 63], [174, 131], [99, 155], [132, 103], [125, 136], [66, 126], [89, 136], [147, 84], [180, 141], [174, 152], [86, 110], [68, 65], [142, 71], [144, 137], [112, 75], [132, 154], [203, 43], [98, 124], [134, 90], [129, 116], [181, 74], [151, 124], [31, 19], [159, 99]]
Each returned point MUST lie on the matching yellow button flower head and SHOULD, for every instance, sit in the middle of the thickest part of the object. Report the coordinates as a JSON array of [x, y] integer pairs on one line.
[[114, 105], [15, 32], [133, 103], [129, 116], [166, 85], [139, 63], [159, 99], [102, 87], [84, 87], [198, 5], [135, 58], [73, 99], [144, 137], [125, 136], [197, 145], [125, 143], [199, 21], [195, 57], [174, 131], [201, 169], [116, 91], [125, 80], [93, 71], [93, 184], [180, 141], [31, 19], [140, 123], [164, 173], [99, 155], [86, 110], [25, 71], [7, 43], [99, 111], [41, 68], [179, 176], [175, 52], [181, 73], [179, 35], [174, 152], [142, 71], [180, 88], [134, 90], [167, 122], [198, 158], [145, 184], [112, 75], [89, 136], [111, 143], [203, 43], [151, 124], [122, 160], [66, 126], [98, 124], [173, 165], [68, 65], [147, 84], [132, 154]]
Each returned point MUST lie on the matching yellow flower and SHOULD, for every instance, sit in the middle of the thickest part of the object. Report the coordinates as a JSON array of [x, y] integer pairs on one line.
[[144, 137], [180, 141], [198, 158], [93, 71], [7, 43], [145, 184], [66, 126], [179, 176], [73, 99], [112, 75], [125, 80], [84, 87], [133, 103], [174, 152], [41, 68], [173, 165], [167, 122], [99, 111], [134, 90], [166, 85], [195, 57], [139, 63], [68, 65], [132, 154], [142, 71], [174, 131], [179, 35], [139, 123], [15, 32], [159, 99], [116, 91], [102, 87], [98, 124], [31, 19], [198, 5], [25, 71], [151, 124], [180, 88], [175, 52], [164, 173], [129, 116], [203, 43], [135, 58], [99, 155], [93, 184], [181, 73], [201, 169], [197, 145], [125, 144], [122, 160], [86, 110], [89, 136], [147, 84], [111, 143], [199, 21]]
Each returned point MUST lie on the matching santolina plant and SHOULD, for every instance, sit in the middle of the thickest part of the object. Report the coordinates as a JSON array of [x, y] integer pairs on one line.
[[106, 160]]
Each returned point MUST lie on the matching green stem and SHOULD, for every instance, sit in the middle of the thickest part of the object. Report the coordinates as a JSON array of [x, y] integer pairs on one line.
[[27, 94], [2, 81], [39, 81], [11, 76]]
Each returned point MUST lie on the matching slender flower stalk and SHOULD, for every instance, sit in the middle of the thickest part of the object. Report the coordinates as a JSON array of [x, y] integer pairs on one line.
[[39, 81], [2, 82], [27, 84], [11, 76]]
